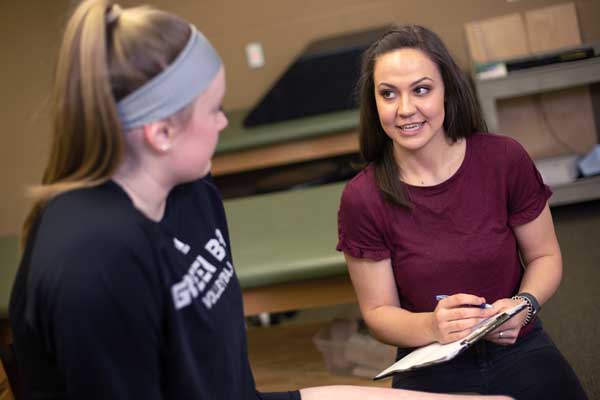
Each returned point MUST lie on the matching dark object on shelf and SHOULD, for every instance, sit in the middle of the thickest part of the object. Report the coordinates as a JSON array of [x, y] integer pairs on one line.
[[322, 79], [299, 176], [550, 58], [501, 68]]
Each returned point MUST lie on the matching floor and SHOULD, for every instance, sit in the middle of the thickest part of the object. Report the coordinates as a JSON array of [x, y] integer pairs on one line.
[[284, 357]]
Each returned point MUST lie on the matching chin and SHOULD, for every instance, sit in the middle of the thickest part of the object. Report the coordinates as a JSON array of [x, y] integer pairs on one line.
[[206, 170], [412, 142], [415, 141], [198, 174]]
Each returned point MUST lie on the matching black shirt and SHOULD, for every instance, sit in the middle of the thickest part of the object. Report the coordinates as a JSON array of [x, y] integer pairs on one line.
[[108, 304]]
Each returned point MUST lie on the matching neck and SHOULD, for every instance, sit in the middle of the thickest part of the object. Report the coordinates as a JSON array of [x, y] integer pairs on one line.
[[431, 165], [147, 193]]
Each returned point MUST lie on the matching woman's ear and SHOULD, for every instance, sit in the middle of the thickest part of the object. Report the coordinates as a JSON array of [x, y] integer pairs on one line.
[[159, 136]]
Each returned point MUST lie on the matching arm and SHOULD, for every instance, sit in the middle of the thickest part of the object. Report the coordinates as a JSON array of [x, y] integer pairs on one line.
[[361, 393], [377, 296], [543, 270], [541, 255]]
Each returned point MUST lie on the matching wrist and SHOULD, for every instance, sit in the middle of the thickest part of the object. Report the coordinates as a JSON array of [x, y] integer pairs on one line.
[[533, 306], [432, 327]]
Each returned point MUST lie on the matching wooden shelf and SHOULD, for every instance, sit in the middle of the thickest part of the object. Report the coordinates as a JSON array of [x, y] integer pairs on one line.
[[534, 80], [299, 295]]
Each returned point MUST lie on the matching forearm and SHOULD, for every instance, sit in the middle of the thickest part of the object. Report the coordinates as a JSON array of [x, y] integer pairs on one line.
[[379, 303], [361, 393], [399, 327], [542, 277], [541, 254]]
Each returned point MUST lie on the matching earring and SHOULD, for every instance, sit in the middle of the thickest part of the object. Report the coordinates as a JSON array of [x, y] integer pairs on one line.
[[165, 147]]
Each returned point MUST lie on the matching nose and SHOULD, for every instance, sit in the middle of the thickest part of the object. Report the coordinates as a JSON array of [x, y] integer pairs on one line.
[[406, 108]]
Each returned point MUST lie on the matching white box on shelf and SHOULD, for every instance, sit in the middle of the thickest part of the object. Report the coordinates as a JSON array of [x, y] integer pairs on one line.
[[558, 170]]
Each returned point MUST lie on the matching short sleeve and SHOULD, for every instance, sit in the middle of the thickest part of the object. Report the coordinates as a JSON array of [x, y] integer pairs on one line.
[[360, 232], [527, 193]]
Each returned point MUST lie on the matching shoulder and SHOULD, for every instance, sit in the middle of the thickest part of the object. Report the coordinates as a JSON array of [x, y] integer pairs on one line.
[[91, 244], [91, 213], [493, 141], [497, 148], [92, 226], [362, 188]]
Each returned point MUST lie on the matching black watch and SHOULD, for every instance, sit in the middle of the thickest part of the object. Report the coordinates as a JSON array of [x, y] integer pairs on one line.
[[533, 306]]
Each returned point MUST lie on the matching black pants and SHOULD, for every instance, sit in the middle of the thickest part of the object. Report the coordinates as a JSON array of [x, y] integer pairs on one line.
[[532, 368]]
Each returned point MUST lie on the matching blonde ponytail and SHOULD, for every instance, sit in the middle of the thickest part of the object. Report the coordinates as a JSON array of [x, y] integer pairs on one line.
[[99, 62]]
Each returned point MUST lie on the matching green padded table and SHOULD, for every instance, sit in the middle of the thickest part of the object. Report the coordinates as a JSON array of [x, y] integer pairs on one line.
[[283, 248], [237, 137], [243, 149]]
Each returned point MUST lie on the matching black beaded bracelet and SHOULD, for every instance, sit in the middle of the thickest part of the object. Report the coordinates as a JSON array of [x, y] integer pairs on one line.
[[533, 306]]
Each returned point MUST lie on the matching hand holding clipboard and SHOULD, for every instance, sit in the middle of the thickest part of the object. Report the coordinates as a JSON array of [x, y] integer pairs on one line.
[[436, 353]]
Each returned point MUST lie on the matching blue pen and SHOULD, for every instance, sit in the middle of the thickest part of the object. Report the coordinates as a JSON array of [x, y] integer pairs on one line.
[[443, 296]]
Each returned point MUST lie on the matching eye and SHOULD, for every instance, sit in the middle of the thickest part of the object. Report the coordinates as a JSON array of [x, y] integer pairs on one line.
[[387, 94], [422, 90]]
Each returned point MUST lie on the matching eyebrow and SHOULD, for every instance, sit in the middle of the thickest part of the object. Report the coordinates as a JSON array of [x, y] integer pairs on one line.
[[411, 85]]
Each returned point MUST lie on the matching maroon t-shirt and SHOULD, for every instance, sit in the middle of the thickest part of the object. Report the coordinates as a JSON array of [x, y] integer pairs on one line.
[[459, 235]]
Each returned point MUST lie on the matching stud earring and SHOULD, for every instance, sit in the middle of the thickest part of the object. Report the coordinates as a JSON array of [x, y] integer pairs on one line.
[[165, 147]]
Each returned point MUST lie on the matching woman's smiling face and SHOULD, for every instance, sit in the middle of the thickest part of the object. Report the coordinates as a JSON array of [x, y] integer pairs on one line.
[[409, 93]]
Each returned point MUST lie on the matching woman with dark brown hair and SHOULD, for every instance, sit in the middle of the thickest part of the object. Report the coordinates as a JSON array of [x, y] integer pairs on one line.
[[126, 289], [443, 208]]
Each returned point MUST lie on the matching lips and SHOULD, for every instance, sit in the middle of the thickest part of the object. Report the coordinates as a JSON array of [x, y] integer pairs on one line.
[[411, 127]]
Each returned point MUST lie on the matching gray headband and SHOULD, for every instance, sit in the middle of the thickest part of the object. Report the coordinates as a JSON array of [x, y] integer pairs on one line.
[[175, 87]]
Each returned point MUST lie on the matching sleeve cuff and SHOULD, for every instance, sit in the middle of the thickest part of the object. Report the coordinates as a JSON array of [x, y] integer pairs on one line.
[[358, 252], [532, 212]]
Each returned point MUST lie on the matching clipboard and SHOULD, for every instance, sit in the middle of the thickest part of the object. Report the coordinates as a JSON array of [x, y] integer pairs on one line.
[[436, 353]]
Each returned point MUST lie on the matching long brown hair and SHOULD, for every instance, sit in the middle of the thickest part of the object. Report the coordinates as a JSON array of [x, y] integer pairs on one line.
[[462, 113], [106, 53]]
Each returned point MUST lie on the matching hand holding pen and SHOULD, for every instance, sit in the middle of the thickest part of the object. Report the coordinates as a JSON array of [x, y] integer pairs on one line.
[[456, 315], [482, 305]]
